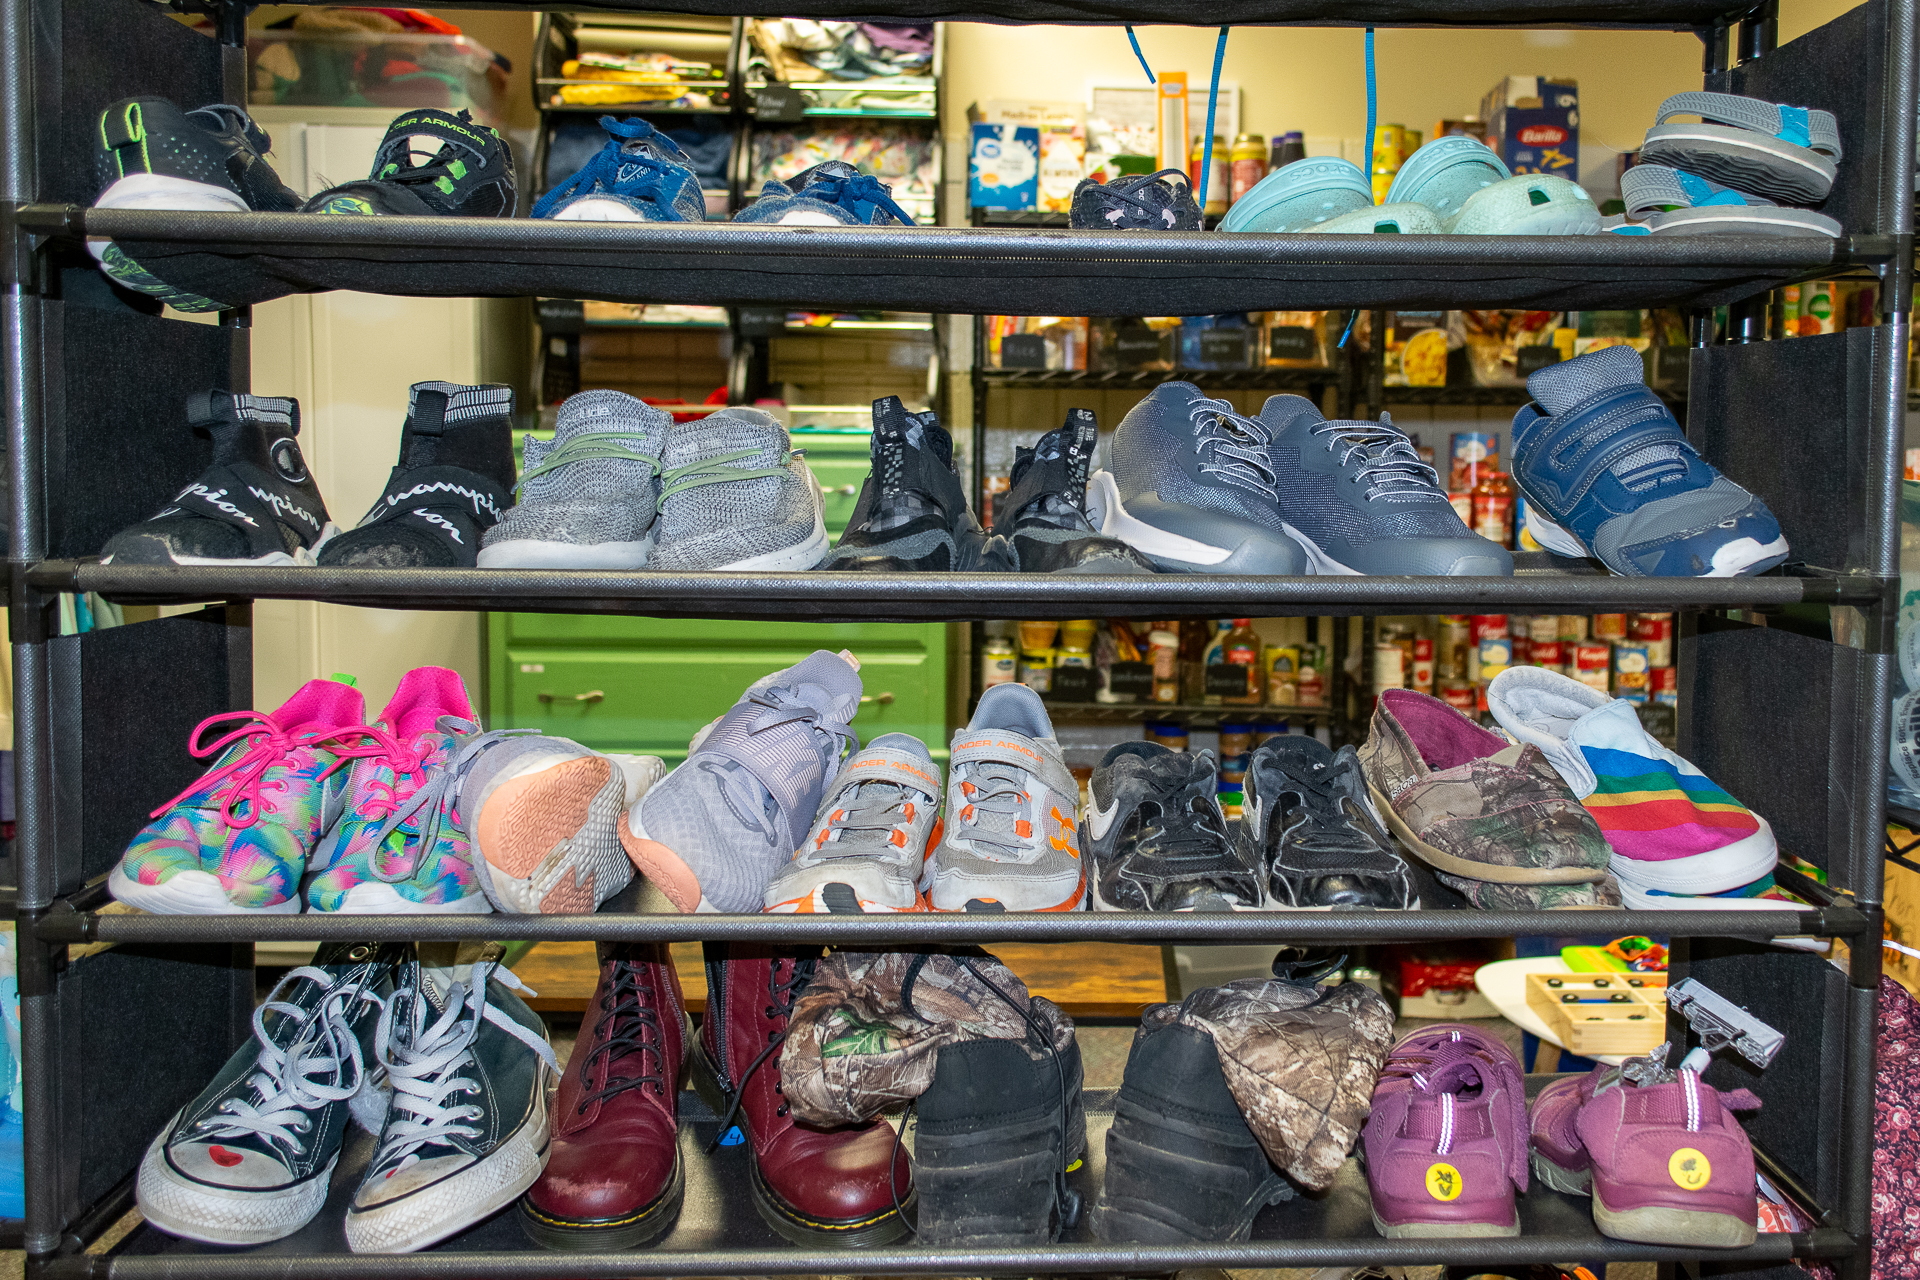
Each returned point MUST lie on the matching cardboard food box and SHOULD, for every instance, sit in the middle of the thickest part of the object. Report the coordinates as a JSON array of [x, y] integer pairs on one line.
[[1063, 143], [1003, 170], [1440, 987], [1610, 1013], [1534, 124]]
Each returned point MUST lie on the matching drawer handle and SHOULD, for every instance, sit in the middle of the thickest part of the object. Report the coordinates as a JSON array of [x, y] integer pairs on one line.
[[590, 696], [884, 699]]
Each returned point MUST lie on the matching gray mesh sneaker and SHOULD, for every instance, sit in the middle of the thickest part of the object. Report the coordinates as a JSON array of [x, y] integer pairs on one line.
[[1192, 488], [735, 494], [712, 833], [1011, 841], [587, 497], [1359, 499], [868, 845]]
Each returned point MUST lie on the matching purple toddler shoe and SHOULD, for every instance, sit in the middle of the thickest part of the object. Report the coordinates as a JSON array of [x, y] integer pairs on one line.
[[1445, 1146]]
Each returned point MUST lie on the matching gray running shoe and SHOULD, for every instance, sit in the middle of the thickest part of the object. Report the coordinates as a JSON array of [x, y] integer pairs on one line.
[[587, 497], [1156, 838], [466, 1129], [735, 494], [712, 833], [1011, 842], [1192, 488], [1358, 498], [869, 840]]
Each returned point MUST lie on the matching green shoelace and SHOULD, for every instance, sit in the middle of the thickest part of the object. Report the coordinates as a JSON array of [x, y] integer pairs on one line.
[[718, 470], [588, 446]]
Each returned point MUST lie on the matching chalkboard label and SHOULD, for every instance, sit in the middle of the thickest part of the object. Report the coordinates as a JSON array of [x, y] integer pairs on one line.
[[1137, 346], [1531, 360], [560, 315], [762, 322], [1227, 679], [1074, 684], [1023, 351], [1135, 678], [1224, 347], [779, 104], [1293, 342]]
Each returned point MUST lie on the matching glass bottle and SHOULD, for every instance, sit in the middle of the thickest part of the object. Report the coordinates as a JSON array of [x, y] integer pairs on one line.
[[1240, 647]]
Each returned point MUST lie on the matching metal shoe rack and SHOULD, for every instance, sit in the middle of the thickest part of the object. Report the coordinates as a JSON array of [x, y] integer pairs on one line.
[[1785, 686]]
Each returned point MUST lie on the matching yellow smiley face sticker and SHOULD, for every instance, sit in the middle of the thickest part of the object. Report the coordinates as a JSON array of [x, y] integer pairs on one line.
[[1689, 1169], [1443, 1182]]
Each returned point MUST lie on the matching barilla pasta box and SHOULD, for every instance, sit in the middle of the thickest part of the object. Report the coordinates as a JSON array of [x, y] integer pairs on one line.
[[1004, 167], [1534, 124]]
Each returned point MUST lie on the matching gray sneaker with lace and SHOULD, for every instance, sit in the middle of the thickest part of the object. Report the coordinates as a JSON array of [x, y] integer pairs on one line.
[[712, 833], [1012, 839], [466, 1127], [587, 497], [869, 840], [735, 494]]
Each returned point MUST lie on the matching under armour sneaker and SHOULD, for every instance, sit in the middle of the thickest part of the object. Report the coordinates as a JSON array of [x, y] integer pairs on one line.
[[249, 1160], [712, 833], [587, 497], [640, 175], [449, 487], [1010, 841], [397, 848], [239, 839], [1446, 1141], [830, 194], [912, 512], [542, 816], [149, 154], [1311, 827], [1607, 473], [1192, 488], [431, 163], [1045, 511], [1670, 827], [256, 504], [869, 842], [1156, 838], [1160, 201], [467, 1127], [735, 494]]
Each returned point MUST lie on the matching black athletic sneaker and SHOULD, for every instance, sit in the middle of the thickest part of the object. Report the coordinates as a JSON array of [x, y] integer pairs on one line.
[[451, 484], [1309, 822], [431, 162], [468, 1066], [1156, 838], [256, 504], [1137, 202], [1044, 514], [996, 1133], [912, 513], [249, 1159], [1182, 1165], [149, 154]]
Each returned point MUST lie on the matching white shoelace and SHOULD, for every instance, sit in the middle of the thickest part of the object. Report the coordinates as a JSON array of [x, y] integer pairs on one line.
[[320, 1064]]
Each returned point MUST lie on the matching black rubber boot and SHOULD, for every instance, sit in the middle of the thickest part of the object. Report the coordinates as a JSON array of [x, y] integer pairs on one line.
[[995, 1138], [1182, 1166]]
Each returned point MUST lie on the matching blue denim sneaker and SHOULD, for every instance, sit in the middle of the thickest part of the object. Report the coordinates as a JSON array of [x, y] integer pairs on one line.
[[640, 175], [1608, 474], [831, 194]]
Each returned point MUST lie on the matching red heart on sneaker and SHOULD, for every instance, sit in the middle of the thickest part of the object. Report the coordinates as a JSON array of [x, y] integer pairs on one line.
[[224, 1158]]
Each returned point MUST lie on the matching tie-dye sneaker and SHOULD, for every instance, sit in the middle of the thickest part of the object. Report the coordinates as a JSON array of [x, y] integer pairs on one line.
[[1672, 830], [238, 840], [397, 848]]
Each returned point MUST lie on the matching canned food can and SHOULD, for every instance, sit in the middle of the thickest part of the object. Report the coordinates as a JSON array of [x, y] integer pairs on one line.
[[1457, 694], [1609, 626], [1545, 626], [1423, 674], [997, 663], [1389, 667], [1591, 663], [1487, 625], [1550, 654], [1495, 651], [1462, 507], [1663, 685], [1036, 670], [1630, 672], [1522, 651], [1573, 626], [1654, 630]]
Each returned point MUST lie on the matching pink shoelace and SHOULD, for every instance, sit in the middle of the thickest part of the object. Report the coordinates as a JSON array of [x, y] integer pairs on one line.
[[244, 778]]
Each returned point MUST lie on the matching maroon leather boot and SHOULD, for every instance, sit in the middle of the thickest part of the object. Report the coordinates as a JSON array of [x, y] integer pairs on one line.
[[814, 1186], [613, 1178]]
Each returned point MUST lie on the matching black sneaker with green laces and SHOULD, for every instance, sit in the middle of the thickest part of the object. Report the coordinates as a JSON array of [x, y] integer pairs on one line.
[[432, 163]]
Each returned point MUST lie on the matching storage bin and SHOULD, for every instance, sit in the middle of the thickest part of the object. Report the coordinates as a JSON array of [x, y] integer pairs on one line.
[[375, 69]]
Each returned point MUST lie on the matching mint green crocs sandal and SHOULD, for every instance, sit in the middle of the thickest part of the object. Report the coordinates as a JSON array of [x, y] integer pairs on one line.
[[1529, 204], [1444, 173], [1302, 195], [1675, 202], [1402, 219], [1786, 153]]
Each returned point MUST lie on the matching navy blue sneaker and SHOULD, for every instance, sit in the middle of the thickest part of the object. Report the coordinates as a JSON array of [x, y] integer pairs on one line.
[[640, 175], [1607, 473], [831, 194]]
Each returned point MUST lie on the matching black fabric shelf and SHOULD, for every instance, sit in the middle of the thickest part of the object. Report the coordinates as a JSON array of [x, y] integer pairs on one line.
[[246, 258], [923, 597], [1124, 379], [720, 1234]]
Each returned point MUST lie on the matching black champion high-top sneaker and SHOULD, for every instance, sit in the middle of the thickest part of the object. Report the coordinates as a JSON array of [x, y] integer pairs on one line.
[[912, 513], [1044, 514], [257, 503], [450, 486]]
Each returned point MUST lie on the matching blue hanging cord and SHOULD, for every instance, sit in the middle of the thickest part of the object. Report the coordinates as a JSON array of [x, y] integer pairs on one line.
[[1134, 40], [1372, 112], [1213, 94]]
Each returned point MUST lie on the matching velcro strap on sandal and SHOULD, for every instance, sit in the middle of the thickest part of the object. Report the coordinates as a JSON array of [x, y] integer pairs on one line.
[[1585, 442], [1648, 188], [1802, 126]]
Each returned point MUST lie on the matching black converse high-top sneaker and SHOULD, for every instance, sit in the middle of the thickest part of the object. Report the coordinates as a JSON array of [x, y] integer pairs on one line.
[[257, 503], [451, 484]]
